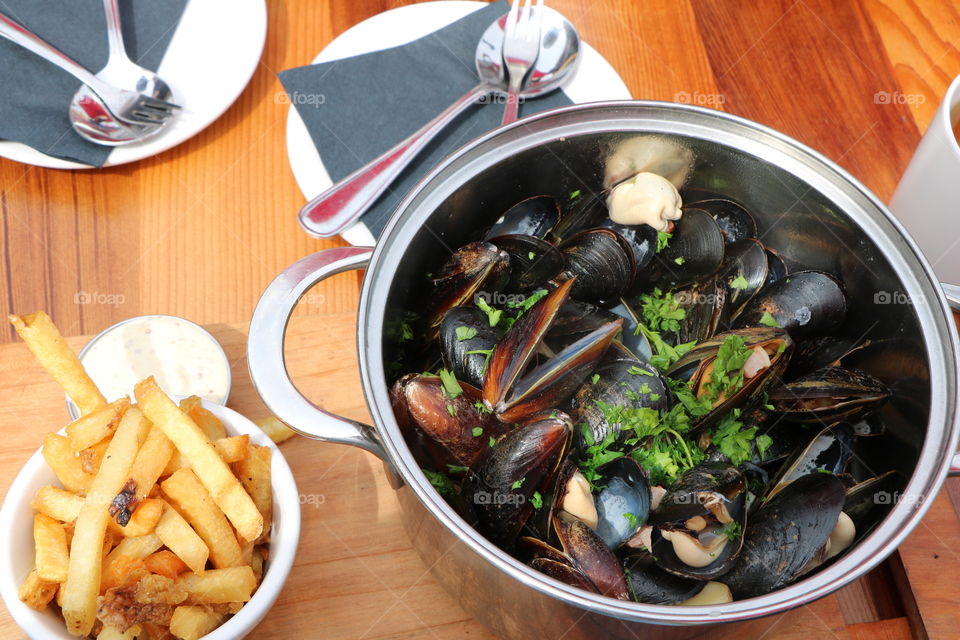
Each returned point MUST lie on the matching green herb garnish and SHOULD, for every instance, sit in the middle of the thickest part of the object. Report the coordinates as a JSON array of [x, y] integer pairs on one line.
[[477, 432], [456, 468], [663, 240], [465, 333], [536, 500], [661, 311], [575, 194], [732, 530], [739, 283], [440, 481], [451, 387], [518, 483], [493, 315], [768, 320], [595, 378]]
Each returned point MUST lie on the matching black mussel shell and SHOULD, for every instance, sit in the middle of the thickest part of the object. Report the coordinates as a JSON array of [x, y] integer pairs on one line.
[[587, 212], [623, 504], [444, 425], [475, 267], [785, 534], [776, 267], [817, 352], [828, 452], [619, 380], [631, 338], [465, 334], [574, 320], [602, 264], [734, 220], [804, 303], [694, 252], [531, 548], [868, 502], [722, 559], [564, 573], [704, 306], [591, 556], [650, 584], [522, 462], [744, 272], [641, 238], [533, 262], [536, 216], [828, 395], [706, 489]]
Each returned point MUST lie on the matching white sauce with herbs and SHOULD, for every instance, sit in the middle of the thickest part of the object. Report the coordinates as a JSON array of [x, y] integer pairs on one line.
[[183, 358]]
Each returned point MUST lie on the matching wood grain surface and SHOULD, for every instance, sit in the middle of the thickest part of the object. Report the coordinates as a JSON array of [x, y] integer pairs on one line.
[[200, 230]]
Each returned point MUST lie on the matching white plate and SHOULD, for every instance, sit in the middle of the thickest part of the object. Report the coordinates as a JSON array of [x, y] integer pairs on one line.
[[211, 57], [594, 80]]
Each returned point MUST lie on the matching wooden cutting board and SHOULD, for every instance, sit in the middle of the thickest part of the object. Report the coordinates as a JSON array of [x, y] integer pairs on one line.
[[356, 575]]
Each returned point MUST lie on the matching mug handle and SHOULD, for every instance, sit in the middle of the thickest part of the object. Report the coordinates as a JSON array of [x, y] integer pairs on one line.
[[265, 357]]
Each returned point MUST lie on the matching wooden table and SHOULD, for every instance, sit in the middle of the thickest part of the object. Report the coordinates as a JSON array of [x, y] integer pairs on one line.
[[201, 229]]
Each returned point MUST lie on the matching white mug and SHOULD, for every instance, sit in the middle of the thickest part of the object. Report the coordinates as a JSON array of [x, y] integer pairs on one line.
[[927, 200]]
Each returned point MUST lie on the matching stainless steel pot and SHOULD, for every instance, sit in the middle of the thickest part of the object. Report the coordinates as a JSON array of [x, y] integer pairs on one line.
[[810, 210]]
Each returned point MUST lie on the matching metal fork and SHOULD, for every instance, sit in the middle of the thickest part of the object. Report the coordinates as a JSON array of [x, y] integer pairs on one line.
[[129, 106], [521, 46]]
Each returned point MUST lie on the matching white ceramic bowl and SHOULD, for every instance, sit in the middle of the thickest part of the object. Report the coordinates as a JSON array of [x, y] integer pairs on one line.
[[16, 532]]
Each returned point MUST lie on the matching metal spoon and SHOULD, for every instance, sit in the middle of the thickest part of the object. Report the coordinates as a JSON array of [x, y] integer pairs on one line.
[[87, 113], [342, 204]]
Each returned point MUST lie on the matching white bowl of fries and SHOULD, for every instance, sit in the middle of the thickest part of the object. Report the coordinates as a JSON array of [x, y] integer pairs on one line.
[[148, 520]]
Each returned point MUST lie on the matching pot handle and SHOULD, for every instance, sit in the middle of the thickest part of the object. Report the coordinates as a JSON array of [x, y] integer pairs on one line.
[[265, 357]]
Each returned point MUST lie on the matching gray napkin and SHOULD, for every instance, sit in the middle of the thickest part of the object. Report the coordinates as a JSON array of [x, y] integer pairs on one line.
[[36, 94], [357, 108]]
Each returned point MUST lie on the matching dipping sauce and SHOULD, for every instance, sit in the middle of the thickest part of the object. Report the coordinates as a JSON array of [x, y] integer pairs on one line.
[[184, 359]]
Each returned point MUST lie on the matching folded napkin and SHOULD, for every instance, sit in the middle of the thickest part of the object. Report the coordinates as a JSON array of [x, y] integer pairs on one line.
[[373, 101], [36, 95]]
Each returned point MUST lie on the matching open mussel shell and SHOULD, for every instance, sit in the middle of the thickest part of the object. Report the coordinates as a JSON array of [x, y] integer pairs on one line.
[[650, 584], [521, 463], [828, 452], [447, 423], [565, 573], [533, 261], [474, 267], [734, 220], [694, 252], [536, 216], [868, 502], [697, 364], [697, 523], [589, 554], [465, 355], [784, 534], [574, 320], [804, 303], [602, 263], [744, 264], [632, 338], [704, 305], [817, 352], [623, 504], [776, 267], [828, 395]]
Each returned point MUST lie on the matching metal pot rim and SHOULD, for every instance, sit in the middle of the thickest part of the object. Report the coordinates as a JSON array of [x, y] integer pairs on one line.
[[870, 214]]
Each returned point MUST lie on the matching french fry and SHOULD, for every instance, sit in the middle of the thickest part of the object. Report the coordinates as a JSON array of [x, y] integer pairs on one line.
[[151, 461], [233, 449], [126, 559], [156, 589], [276, 430], [188, 495], [58, 504], [175, 463], [92, 428], [256, 563], [50, 549], [37, 593], [83, 580], [180, 538], [254, 475], [65, 464], [91, 457], [143, 520], [208, 423], [51, 351], [191, 622], [196, 448], [218, 586], [165, 563], [111, 633]]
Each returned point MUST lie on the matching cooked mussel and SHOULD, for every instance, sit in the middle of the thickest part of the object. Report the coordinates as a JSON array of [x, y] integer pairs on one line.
[[828, 395], [734, 220], [694, 252], [804, 303], [744, 272], [623, 504], [828, 452], [650, 584], [466, 341], [536, 216], [521, 463], [563, 572], [602, 264], [473, 267], [785, 533], [533, 261], [590, 555]]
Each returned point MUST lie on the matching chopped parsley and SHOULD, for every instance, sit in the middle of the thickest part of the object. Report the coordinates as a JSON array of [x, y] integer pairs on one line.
[[536, 500], [679, 260], [493, 315], [529, 301], [531, 255], [477, 432], [661, 311], [456, 468], [440, 481], [575, 194], [727, 373], [639, 371], [597, 455], [739, 282], [493, 441], [595, 378], [518, 483], [768, 320], [663, 240], [763, 443], [465, 333], [732, 530], [451, 387], [664, 355], [487, 353], [452, 410], [632, 520], [480, 407]]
